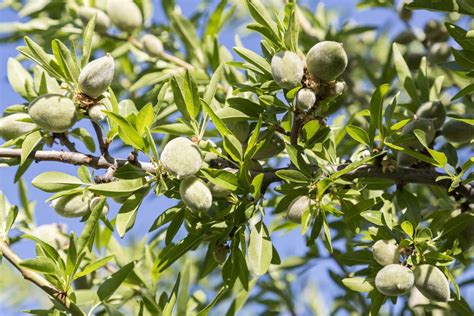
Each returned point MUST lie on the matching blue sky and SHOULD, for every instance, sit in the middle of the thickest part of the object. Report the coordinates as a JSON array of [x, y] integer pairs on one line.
[[287, 245]]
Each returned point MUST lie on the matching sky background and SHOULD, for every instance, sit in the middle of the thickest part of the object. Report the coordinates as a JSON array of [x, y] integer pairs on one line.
[[291, 244]]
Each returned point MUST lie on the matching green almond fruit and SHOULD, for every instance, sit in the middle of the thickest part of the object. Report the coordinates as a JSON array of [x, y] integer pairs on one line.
[[102, 21], [287, 69], [327, 60], [457, 131], [305, 99], [181, 157], [432, 282], [297, 208], [394, 280], [53, 112], [96, 112], [271, 147], [433, 110], [53, 234], [12, 127], [426, 125], [195, 194], [125, 15], [152, 45], [96, 77], [218, 191], [405, 37], [386, 252], [220, 253], [75, 205]]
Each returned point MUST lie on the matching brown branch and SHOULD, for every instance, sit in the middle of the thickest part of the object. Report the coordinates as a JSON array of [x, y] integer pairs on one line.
[[39, 281]]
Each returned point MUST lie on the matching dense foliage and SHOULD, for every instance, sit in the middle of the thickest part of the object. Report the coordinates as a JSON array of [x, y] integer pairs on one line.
[[361, 142]]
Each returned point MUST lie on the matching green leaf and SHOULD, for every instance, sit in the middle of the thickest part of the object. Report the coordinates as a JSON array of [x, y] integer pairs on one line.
[[168, 309], [65, 60], [292, 176], [222, 178], [88, 233], [376, 111], [128, 212], [110, 285], [205, 311], [255, 59], [19, 77], [91, 267], [407, 227], [118, 188], [404, 75], [54, 181], [39, 264], [259, 13], [186, 96], [145, 118], [260, 249], [358, 284], [128, 134], [358, 134], [292, 29], [87, 41], [29, 145]]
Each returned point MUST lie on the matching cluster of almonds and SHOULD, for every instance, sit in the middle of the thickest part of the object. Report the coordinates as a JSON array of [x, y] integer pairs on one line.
[[429, 118], [325, 62], [396, 279]]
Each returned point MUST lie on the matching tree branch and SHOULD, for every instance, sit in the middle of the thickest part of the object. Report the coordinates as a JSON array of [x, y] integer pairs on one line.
[[39, 281], [402, 175]]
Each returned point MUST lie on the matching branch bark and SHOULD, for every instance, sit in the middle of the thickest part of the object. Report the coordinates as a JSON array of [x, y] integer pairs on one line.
[[39, 281]]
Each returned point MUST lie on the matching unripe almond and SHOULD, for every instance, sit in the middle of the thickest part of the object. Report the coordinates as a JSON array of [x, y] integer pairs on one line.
[[102, 21], [433, 110], [96, 112], [53, 234], [327, 60], [386, 252], [195, 194], [220, 253], [337, 88], [97, 76], [76, 205], [432, 282], [394, 280], [426, 125], [152, 45], [458, 131], [12, 127], [305, 99], [125, 15], [53, 112], [181, 157], [218, 191], [297, 208], [287, 69], [271, 148]]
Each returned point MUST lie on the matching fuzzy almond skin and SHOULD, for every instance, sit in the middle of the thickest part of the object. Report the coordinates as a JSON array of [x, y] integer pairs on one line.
[[425, 125], [271, 148], [53, 234], [125, 15], [433, 110], [102, 22], [327, 60], [432, 282], [287, 69], [53, 112], [181, 157], [458, 131], [152, 45], [195, 194], [97, 76], [11, 126], [305, 99], [386, 252], [394, 280], [297, 208], [96, 112], [75, 205]]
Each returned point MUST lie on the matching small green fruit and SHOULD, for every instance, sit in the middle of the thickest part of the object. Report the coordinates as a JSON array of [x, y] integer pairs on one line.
[[432, 282], [96, 112], [152, 45], [181, 157], [386, 252], [337, 88], [195, 194], [220, 253], [53, 112], [394, 280], [76, 205], [405, 37], [297, 208], [11, 126], [327, 60], [97, 76], [426, 125], [125, 15], [287, 70], [433, 110], [435, 31], [457, 131], [305, 99], [52, 234], [271, 147], [102, 21]]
